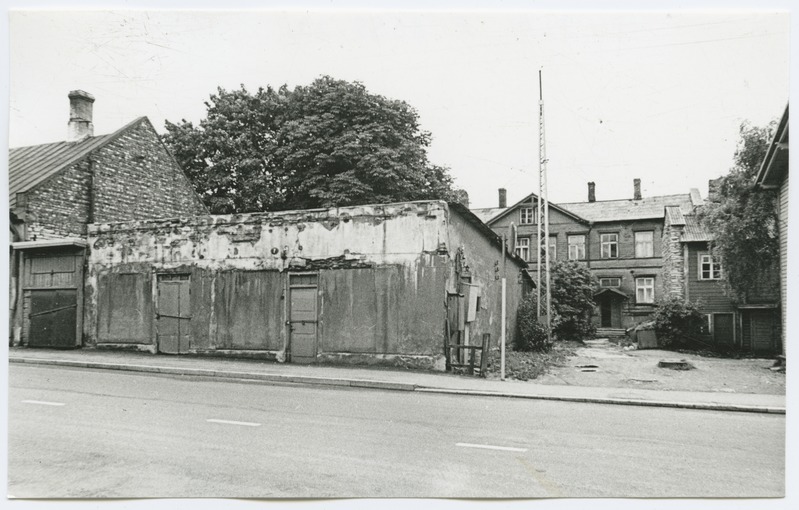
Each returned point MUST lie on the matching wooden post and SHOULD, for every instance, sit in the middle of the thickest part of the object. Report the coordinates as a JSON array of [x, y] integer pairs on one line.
[[502, 335]]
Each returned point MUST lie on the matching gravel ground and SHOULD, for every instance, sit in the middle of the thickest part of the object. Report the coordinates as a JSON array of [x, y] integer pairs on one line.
[[609, 365]]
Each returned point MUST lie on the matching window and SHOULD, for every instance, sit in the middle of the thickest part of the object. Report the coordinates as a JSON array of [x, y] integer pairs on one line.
[[709, 268], [523, 247], [644, 244], [553, 248], [645, 290], [610, 283], [576, 247], [609, 244], [527, 215]]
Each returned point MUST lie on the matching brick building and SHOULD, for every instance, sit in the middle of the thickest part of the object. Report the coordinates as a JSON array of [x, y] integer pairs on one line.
[[56, 190], [619, 240]]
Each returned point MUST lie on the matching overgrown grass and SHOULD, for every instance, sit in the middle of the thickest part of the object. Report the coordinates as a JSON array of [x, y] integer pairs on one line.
[[524, 366]]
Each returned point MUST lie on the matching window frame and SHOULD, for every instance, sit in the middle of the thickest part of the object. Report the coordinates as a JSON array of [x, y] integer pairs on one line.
[[609, 244], [569, 244], [533, 215], [651, 244], [617, 278], [714, 270], [525, 248], [552, 246], [644, 288]]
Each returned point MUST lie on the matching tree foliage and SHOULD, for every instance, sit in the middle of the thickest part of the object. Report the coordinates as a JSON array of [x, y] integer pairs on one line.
[[742, 218], [331, 143], [572, 305], [573, 288]]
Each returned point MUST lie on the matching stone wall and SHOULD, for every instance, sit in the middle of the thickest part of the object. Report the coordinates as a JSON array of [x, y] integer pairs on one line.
[[673, 273], [131, 178]]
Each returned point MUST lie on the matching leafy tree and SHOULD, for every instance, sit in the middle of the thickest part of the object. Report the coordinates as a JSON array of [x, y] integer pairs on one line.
[[572, 305], [572, 293], [743, 219], [330, 143]]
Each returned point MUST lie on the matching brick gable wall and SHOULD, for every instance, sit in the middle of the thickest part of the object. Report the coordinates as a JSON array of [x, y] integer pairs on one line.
[[60, 206], [136, 178]]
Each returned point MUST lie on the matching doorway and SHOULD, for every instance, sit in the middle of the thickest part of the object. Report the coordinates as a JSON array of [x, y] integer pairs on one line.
[[173, 316], [303, 318]]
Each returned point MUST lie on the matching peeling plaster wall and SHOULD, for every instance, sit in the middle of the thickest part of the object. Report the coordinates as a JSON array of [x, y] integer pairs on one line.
[[345, 237], [484, 259], [383, 273]]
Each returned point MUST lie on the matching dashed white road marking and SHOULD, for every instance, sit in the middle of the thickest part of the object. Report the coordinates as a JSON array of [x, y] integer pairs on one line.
[[491, 447], [231, 422], [43, 403]]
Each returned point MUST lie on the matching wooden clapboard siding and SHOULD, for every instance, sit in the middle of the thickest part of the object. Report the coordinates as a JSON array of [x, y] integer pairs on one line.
[[710, 292], [783, 229]]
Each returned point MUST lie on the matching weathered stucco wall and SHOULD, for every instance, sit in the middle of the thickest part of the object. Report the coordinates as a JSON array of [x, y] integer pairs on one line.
[[313, 239], [383, 273], [484, 259]]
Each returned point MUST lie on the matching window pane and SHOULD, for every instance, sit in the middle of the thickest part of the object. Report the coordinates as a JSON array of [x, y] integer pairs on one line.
[[644, 244]]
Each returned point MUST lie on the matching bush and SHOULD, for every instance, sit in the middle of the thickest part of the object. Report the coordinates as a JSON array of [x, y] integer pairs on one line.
[[572, 301], [530, 335], [677, 320]]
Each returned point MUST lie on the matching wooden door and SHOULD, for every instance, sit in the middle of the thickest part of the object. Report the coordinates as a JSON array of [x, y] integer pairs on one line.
[[302, 317], [173, 316], [53, 318], [762, 331], [605, 312], [723, 329]]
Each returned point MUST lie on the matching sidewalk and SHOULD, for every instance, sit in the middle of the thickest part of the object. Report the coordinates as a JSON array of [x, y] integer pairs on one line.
[[392, 379]]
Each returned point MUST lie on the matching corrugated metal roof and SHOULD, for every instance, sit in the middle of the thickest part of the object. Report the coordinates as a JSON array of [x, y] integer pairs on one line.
[[29, 166], [620, 210], [487, 213], [675, 215], [694, 231]]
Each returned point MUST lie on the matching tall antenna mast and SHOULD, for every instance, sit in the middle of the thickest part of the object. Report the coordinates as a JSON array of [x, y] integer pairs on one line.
[[543, 213]]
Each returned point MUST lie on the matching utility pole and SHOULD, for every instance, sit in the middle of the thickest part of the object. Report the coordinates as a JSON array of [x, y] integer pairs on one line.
[[543, 212]]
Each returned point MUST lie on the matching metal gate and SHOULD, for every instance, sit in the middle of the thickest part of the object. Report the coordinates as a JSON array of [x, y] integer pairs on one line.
[[302, 317], [173, 315], [53, 317]]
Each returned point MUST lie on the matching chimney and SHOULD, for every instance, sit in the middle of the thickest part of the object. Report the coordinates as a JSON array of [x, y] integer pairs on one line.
[[636, 189], [591, 192], [503, 197], [80, 116]]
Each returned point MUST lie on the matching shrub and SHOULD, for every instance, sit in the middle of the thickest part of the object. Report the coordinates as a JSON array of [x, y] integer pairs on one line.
[[572, 301], [677, 320], [531, 335]]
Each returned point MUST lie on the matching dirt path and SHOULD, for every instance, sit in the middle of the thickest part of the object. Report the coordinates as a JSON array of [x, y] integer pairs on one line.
[[608, 365]]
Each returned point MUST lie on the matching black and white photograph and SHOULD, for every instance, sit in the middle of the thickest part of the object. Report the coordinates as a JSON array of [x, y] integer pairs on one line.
[[338, 252]]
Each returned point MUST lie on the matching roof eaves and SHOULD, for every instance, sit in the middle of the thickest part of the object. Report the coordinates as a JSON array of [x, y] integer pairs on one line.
[[551, 204], [78, 157]]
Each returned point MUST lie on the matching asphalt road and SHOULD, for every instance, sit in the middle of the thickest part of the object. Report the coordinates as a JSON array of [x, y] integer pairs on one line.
[[95, 433]]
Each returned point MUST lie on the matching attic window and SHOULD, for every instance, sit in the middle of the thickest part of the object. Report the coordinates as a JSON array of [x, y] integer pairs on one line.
[[528, 216]]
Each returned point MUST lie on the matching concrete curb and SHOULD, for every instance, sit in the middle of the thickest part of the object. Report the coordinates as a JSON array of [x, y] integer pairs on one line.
[[386, 385]]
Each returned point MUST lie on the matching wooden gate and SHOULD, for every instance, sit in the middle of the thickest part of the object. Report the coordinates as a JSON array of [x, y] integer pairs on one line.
[[173, 316], [53, 318], [302, 317], [52, 293]]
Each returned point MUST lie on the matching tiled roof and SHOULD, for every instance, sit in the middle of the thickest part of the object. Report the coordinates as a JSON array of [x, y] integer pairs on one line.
[[487, 213], [694, 231], [29, 166], [620, 210]]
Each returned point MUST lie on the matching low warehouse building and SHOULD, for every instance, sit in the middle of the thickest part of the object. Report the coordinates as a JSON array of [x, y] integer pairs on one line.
[[363, 284]]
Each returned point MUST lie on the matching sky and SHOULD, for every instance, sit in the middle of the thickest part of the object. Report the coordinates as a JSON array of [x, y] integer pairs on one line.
[[652, 95]]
